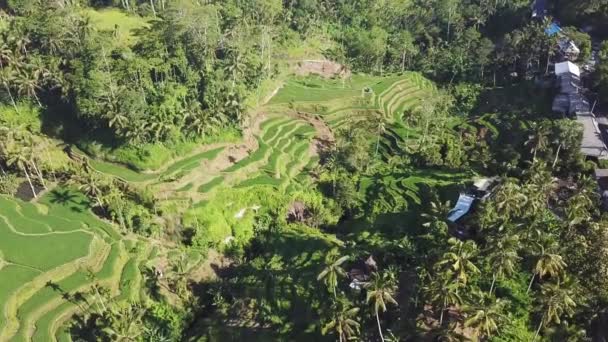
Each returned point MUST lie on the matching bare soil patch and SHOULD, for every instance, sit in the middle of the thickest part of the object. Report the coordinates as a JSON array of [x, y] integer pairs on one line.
[[323, 67]]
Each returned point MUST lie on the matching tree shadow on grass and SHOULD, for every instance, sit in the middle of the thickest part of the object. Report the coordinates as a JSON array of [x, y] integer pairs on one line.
[[279, 278], [70, 199]]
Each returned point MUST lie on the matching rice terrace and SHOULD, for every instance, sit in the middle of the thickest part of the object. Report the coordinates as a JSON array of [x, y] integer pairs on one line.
[[318, 170], [56, 253]]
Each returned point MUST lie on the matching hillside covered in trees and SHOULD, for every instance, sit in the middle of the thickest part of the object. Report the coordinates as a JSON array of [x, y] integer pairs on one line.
[[301, 170]]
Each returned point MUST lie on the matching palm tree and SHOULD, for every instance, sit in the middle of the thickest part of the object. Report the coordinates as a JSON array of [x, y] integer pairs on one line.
[[555, 301], [333, 270], [125, 324], [7, 76], [380, 291], [17, 157], [547, 264], [459, 259], [502, 257], [484, 319], [380, 129], [444, 292], [538, 140], [27, 85], [343, 321], [91, 183]]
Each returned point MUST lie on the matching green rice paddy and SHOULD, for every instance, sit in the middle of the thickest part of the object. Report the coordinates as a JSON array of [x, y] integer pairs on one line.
[[52, 252]]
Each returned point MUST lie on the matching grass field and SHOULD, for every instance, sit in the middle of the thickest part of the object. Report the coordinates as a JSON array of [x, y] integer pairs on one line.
[[122, 24], [51, 252]]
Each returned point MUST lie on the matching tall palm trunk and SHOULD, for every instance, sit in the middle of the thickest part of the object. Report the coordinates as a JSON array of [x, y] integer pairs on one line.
[[531, 281], [10, 95], [493, 282], [538, 330], [29, 180], [39, 174], [153, 9], [103, 305], [379, 326], [559, 147]]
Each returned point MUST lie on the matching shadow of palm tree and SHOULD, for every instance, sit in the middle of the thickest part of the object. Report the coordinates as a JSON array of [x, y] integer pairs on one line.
[[63, 196], [54, 286]]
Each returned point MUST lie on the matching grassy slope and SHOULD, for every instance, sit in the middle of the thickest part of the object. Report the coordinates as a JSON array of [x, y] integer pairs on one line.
[[113, 19], [64, 234]]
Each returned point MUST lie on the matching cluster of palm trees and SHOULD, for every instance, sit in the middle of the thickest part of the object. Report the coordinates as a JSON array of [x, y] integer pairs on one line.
[[24, 152], [343, 320], [465, 287], [22, 74]]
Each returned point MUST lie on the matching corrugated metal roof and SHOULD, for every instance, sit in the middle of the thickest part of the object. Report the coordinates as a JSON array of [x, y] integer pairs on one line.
[[463, 206]]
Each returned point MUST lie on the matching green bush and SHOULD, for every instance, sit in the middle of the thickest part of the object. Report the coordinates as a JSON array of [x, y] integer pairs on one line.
[[26, 115], [9, 184]]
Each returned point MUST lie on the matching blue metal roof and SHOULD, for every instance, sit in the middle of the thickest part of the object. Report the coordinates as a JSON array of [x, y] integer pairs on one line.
[[553, 29], [463, 206]]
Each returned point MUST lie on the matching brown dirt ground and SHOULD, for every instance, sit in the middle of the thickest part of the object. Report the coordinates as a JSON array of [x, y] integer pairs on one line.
[[323, 67]]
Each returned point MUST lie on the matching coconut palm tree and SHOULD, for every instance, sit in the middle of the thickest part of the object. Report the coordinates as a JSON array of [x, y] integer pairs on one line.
[[125, 323], [458, 259], [91, 184], [7, 77], [443, 292], [484, 318], [27, 85], [333, 270], [18, 157], [343, 321], [538, 140], [555, 300], [380, 291], [547, 264], [502, 257]]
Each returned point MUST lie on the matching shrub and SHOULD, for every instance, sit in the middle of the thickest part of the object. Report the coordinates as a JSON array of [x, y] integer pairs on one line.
[[27, 116], [9, 184]]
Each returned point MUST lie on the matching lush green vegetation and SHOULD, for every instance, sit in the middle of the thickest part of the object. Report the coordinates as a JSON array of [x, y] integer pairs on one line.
[[283, 170]]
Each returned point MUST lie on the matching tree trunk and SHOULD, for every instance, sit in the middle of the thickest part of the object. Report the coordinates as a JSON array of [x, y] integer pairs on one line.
[[559, 147], [39, 174], [531, 281], [538, 330], [379, 327], [493, 282], [2, 170], [100, 299], [153, 9], [29, 180], [441, 316], [37, 99], [377, 145], [10, 95], [403, 61]]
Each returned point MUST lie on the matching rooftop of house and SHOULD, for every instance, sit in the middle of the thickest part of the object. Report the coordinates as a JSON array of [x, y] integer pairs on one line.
[[592, 144], [463, 206], [567, 67]]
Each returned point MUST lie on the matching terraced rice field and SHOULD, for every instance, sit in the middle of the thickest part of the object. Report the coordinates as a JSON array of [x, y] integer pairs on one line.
[[51, 254], [54, 251], [343, 104], [283, 157]]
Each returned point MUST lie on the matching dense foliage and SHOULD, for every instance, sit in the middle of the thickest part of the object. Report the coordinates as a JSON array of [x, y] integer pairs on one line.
[[530, 263]]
